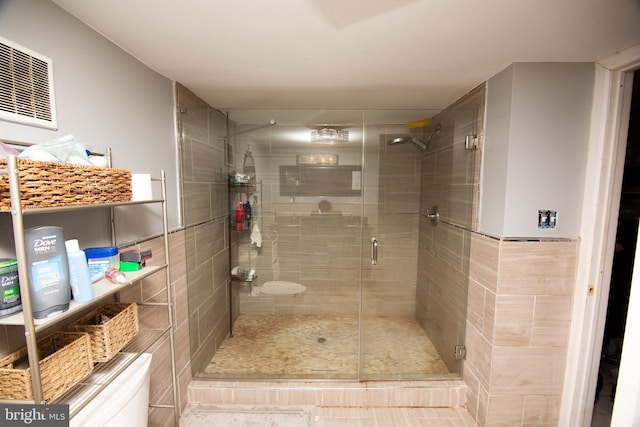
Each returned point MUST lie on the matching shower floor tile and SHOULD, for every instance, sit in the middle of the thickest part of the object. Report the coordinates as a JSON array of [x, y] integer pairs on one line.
[[324, 347]]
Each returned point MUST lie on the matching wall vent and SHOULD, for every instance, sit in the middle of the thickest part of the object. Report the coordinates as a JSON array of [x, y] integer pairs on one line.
[[26, 86]]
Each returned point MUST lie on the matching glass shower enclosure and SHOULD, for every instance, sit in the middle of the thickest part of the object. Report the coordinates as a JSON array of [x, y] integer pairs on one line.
[[353, 275]]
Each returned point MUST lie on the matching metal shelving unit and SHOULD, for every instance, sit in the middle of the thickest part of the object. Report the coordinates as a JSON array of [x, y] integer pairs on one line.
[[235, 189], [81, 394]]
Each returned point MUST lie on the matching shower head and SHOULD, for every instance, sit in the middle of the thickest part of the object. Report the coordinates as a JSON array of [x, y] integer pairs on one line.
[[402, 139], [422, 145]]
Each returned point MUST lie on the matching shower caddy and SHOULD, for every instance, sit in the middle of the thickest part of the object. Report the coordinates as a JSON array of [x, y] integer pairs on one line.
[[235, 193], [89, 387]]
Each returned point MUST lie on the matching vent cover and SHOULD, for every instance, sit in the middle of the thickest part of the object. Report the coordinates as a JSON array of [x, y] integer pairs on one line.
[[26, 86]]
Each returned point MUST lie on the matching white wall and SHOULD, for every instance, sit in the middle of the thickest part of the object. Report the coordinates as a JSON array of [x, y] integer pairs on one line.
[[536, 140], [104, 97], [495, 152]]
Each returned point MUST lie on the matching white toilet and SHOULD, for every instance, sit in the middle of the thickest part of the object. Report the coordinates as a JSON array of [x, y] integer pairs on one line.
[[124, 402]]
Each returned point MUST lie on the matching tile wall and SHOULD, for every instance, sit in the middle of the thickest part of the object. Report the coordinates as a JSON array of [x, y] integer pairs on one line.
[[519, 313], [329, 253], [204, 186], [518, 294], [448, 181], [151, 289], [319, 251], [389, 287]]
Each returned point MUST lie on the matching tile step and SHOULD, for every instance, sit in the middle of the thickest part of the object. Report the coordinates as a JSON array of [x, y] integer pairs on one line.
[[392, 394], [240, 415]]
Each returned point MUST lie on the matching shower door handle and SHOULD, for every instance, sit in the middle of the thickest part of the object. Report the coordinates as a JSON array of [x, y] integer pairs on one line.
[[374, 251]]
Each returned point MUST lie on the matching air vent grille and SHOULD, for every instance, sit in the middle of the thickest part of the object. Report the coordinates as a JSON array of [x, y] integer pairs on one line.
[[26, 86]]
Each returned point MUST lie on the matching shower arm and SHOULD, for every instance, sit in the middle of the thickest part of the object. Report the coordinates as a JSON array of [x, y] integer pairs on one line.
[[436, 130], [272, 122]]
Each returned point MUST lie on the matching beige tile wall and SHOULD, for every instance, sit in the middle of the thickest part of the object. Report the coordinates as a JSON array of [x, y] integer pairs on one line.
[[319, 251], [448, 181], [520, 297], [205, 208], [325, 252], [151, 289], [389, 287]]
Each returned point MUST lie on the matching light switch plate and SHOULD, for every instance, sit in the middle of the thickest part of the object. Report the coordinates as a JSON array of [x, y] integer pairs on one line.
[[547, 218]]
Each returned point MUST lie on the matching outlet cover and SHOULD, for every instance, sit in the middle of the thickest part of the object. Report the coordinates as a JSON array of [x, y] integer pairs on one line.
[[547, 218]]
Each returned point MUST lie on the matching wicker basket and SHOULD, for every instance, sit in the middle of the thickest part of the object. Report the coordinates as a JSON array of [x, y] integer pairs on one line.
[[65, 359], [49, 184], [109, 338]]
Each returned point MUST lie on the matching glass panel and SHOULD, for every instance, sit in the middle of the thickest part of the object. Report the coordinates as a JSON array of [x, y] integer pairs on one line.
[[305, 300], [299, 318], [414, 298]]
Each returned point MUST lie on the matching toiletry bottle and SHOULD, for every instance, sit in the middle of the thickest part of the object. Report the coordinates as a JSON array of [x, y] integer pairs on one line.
[[79, 277], [239, 216], [9, 287], [247, 214], [48, 271], [115, 275]]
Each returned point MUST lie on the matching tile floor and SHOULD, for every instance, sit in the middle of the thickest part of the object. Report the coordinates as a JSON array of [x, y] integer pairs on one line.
[[268, 346], [323, 347]]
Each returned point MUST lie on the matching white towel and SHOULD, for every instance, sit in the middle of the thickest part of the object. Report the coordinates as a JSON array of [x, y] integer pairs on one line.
[[256, 237]]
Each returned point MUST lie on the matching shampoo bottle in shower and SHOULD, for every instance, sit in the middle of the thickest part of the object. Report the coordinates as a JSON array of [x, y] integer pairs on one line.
[[247, 214], [239, 216], [79, 277], [48, 271]]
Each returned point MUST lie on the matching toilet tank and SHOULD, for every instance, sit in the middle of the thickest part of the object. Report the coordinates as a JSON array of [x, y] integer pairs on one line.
[[124, 402]]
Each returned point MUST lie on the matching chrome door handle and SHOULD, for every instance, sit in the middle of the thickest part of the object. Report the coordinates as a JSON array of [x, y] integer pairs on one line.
[[374, 251]]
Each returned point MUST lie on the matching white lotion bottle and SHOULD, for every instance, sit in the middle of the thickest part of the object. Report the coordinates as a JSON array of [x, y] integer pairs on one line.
[[116, 276], [79, 277]]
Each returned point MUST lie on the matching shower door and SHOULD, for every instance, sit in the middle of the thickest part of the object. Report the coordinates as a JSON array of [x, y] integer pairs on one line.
[[308, 207], [415, 271]]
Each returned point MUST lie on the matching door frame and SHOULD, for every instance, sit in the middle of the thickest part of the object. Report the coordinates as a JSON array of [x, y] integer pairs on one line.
[[603, 186]]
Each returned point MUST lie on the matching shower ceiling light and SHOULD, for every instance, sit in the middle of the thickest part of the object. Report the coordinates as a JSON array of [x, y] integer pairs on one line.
[[329, 135]]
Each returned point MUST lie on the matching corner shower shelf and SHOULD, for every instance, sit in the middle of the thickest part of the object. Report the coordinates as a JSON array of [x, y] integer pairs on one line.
[[241, 280], [247, 187]]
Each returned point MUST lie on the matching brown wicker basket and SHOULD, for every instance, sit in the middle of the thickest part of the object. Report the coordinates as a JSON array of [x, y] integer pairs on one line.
[[65, 359], [109, 338], [49, 184]]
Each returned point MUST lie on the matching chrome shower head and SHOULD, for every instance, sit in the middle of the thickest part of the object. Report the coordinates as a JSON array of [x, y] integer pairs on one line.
[[422, 145], [402, 139]]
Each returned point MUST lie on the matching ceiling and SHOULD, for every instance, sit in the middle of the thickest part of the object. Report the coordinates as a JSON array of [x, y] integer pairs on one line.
[[373, 54]]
